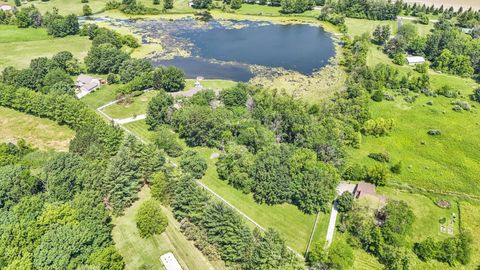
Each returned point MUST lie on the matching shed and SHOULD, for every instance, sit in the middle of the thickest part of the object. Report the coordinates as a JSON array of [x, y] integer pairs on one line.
[[415, 60], [170, 262], [87, 83]]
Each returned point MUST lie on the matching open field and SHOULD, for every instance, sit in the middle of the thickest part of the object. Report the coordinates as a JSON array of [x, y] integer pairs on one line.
[[357, 27], [141, 253], [65, 7], [449, 162], [19, 46], [448, 3], [39, 132]]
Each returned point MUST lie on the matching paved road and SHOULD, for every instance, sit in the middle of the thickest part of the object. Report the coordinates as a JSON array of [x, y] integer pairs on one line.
[[129, 119], [331, 224]]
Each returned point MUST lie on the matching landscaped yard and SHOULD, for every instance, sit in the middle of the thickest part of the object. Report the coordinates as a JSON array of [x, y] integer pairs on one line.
[[19, 46], [141, 253], [39, 132]]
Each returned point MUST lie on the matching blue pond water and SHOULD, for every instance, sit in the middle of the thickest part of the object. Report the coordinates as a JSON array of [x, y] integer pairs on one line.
[[237, 45]]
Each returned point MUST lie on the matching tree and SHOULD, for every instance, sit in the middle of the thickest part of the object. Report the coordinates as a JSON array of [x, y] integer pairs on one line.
[[160, 110], [62, 176], [235, 96], [381, 34], [156, 2], [226, 229], [475, 96], [55, 76], [345, 202], [192, 163], [397, 217], [377, 175], [87, 10], [167, 140], [122, 178], [63, 26], [189, 200], [199, 4], [168, 4], [170, 79], [340, 255], [235, 166], [236, 4], [150, 219], [132, 68], [15, 183], [107, 258], [104, 59]]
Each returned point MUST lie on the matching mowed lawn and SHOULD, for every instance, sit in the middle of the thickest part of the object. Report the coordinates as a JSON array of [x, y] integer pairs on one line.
[[39, 132], [138, 105], [357, 27], [141, 253], [19, 45]]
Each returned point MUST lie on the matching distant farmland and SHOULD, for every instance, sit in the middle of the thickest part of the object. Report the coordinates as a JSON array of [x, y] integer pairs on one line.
[[448, 3]]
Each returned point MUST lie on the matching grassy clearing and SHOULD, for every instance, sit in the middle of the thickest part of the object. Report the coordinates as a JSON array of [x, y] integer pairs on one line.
[[102, 96], [357, 27], [141, 253], [39, 132], [140, 128], [65, 7], [139, 104], [136, 107], [19, 46]]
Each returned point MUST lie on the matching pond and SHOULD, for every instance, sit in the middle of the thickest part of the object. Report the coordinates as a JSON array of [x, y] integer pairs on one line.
[[235, 50]]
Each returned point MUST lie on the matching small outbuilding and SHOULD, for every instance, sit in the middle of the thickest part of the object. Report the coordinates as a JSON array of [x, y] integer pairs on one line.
[[4, 7], [170, 262], [415, 60]]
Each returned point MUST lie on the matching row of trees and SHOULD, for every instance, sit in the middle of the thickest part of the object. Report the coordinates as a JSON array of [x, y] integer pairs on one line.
[[219, 231]]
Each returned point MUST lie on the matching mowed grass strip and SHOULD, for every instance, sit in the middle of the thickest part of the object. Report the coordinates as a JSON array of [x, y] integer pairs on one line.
[[19, 46], [39, 132], [141, 253], [65, 7]]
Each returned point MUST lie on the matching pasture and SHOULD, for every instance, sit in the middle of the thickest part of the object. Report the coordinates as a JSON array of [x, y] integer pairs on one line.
[[39, 132], [19, 46]]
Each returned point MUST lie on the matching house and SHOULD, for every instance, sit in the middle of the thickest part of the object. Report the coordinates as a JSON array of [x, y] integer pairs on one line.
[[415, 60], [367, 190], [86, 84], [4, 7], [170, 262]]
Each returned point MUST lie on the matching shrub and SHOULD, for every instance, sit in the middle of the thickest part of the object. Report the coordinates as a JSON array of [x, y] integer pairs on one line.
[[378, 127], [447, 91], [434, 132], [475, 96], [355, 172], [381, 157], [150, 219], [193, 164], [378, 96], [397, 168], [377, 175], [345, 202], [422, 68], [400, 59]]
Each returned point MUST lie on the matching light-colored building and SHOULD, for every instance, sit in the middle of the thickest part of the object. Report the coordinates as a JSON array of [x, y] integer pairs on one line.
[[86, 84], [170, 262], [415, 60], [5, 7]]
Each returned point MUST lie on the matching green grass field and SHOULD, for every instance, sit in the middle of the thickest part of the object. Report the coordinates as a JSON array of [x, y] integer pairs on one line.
[[139, 104], [39, 132], [65, 7], [141, 253], [357, 27], [19, 46]]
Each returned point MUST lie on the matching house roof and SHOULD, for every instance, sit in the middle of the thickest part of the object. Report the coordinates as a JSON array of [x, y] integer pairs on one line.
[[170, 262], [365, 189], [89, 86], [85, 79], [415, 59]]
